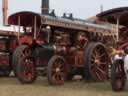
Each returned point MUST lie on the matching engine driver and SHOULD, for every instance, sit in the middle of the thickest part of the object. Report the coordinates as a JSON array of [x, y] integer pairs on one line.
[[82, 40]]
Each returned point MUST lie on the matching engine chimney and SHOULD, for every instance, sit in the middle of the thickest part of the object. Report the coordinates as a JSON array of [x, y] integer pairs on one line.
[[45, 7], [4, 9]]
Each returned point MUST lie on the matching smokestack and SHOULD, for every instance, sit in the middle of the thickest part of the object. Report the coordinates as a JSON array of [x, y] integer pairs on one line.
[[4, 9], [45, 7], [101, 8]]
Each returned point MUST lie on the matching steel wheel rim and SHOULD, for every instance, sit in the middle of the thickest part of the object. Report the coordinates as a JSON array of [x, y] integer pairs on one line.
[[99, 64], [58, 72]]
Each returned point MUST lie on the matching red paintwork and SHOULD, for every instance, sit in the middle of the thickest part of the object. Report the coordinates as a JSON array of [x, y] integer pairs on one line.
[[13, 45], [4, 60], [70, 46], [79, 59], [27, 18], [28, 72], [3, 45], [123, 46], [26, 40], [73, 56]]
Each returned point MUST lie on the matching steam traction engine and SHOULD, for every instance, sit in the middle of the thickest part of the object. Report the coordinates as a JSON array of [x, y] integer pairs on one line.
[[59, 47], [117, 16], [7, 46]]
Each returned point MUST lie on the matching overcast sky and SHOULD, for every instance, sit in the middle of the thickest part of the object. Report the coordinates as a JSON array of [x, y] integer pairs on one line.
[[80, 8]]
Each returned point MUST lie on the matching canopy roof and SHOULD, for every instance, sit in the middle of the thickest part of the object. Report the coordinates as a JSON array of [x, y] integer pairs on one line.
[[26, 18], [112, 15]]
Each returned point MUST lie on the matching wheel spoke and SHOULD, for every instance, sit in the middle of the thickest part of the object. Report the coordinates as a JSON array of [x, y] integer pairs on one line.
[[27, 69], [92, 61], [103, 63], [100, 70], [53, 70], [100, 56], [99, 49], [93, 56], [96, 53], [55, 64], [60, 65], [96, 74], [57, 75], [58, 78]]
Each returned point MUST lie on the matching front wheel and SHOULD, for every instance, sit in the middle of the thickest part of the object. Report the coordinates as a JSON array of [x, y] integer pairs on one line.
[[118, 78], [17, 54], [56, 70], [26, 71]]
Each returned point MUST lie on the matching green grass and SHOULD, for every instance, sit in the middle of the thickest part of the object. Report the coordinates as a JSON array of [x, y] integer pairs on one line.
[[11, 87]]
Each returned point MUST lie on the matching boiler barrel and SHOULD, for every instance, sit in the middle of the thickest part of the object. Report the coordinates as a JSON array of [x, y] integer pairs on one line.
[[45, 51]]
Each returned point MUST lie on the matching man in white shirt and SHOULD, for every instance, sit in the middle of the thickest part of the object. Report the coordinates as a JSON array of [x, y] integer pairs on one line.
[[119, 55], [126, 62]]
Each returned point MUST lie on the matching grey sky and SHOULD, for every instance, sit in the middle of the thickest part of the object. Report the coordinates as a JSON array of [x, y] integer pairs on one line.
[[80, 8]]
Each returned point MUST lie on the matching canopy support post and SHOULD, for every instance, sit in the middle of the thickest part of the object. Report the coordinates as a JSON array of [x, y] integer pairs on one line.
[[35, 24], [19, 27], [117, 29]]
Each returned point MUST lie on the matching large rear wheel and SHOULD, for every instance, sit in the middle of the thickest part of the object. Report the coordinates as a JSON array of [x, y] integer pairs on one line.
[[96, 62], [118, 77]]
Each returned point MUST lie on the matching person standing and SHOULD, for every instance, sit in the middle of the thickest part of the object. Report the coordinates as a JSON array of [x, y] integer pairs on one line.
[[119, 55], [126, 62]]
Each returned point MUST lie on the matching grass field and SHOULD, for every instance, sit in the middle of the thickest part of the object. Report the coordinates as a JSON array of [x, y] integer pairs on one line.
[[11, 87]]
